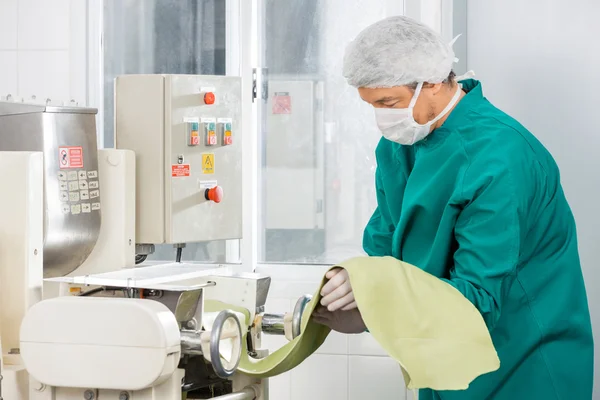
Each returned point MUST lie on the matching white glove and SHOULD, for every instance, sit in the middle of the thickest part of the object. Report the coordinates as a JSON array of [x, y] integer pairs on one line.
[[340, 321], [337, 292]]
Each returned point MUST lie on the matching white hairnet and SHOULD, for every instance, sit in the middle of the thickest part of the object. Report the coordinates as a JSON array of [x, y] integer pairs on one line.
[[397, 51]]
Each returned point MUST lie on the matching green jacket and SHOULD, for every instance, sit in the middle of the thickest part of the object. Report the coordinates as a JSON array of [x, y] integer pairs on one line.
[[479, 204]]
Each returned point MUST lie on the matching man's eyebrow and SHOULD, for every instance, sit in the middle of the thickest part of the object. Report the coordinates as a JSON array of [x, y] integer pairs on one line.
[[385, 100]]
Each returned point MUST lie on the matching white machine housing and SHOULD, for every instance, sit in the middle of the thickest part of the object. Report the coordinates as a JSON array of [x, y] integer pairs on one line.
[[156, 117], [73, 351]]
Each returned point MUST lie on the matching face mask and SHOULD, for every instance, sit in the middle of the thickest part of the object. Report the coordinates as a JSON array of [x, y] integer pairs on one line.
[[399, 125]]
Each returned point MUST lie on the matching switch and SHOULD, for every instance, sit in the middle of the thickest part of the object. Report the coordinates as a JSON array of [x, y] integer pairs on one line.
[[227, 137], [209, 98], [211, 134], [215, 194], [193, 134]]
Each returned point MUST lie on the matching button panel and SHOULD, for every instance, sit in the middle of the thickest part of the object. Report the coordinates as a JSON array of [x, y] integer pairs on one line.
[[193, 133], [227, 136], [210, 133], [75, 189]]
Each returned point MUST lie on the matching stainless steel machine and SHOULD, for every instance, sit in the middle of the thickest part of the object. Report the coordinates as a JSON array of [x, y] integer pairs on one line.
[[67, 137], [116, 329]]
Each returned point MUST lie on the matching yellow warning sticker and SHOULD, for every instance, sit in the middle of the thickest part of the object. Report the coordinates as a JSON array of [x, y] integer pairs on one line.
[[208, 163]]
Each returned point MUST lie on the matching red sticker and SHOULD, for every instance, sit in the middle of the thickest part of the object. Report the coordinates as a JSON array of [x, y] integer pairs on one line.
[[282, 103], [180, 170], [70, 157]]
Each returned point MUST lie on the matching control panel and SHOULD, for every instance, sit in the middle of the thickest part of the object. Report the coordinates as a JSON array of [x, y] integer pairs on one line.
[[185, 131], [79, 191]]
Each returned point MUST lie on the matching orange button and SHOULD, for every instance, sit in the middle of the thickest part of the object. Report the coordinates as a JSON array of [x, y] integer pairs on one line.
[[215, 194], [209, 98]]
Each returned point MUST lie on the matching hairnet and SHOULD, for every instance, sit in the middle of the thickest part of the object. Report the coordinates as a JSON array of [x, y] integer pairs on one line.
[[397, 51]]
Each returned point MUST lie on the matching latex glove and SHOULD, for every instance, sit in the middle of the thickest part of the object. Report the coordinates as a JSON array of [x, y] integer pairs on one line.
[[337, 292], [340, 321]]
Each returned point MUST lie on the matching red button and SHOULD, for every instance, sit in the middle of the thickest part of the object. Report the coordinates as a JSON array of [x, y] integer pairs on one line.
[[215, 194], [209, 98]]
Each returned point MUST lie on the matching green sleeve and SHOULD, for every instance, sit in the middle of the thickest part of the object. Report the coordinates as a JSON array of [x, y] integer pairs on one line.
[[377, 238], [488, 232]]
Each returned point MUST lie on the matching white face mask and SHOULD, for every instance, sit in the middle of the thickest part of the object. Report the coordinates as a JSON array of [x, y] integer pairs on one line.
[[399, 125]]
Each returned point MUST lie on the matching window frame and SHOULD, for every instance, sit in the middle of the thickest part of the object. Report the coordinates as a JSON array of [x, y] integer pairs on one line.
[[244, 47]]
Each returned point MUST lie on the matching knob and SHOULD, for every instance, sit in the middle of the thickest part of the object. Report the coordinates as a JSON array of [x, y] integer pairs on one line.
[[215, 194], [209, 98]]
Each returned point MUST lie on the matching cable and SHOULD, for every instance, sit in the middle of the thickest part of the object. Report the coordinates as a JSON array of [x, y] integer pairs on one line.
[[178, 257], [140, 258], [92, 292]]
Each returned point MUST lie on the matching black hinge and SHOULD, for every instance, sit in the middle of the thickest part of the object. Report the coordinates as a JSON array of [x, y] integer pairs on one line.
[[265, 84]]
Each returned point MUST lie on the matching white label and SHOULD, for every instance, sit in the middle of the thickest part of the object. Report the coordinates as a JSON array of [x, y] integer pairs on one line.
[[206, 89], [207, 184], [85, 195], [92, 174], [76, 209], [94, 194], [66, 208], [74, 196], [64, 196], [73, 186], [93, 185], [191, 119], [82, 175], [85, 207], [72, 175], [225, 120], [63, 186], [83, 185], [95, 206], [208, 120], [62, 176]]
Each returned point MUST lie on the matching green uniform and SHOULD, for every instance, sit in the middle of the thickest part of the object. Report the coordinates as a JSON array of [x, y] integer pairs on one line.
[[479, 204]]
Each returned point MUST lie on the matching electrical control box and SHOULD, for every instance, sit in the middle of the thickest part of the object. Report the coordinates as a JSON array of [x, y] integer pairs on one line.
[[186, 133]]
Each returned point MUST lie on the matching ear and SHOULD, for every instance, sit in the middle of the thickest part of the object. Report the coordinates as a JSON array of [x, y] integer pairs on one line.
[[435, 88]]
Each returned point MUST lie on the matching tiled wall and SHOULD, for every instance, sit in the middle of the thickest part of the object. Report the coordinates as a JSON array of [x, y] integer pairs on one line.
[[346, 367], [43, 49]]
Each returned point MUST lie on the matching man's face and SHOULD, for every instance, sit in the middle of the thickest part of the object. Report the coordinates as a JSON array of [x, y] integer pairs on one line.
[[400, 97]]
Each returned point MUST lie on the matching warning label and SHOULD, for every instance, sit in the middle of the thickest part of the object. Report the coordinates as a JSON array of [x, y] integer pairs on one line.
[[208, 163], [180, 170], [70, 157], [282, 103]]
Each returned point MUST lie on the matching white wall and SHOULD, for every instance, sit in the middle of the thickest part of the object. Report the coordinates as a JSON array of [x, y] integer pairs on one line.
[[43, 49], [539, 61]]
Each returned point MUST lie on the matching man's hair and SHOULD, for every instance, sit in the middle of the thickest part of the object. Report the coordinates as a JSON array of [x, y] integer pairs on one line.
[[448, 81]]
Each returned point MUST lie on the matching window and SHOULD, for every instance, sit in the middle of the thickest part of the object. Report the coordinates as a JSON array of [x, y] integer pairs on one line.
[[317, 137], [171, 37]]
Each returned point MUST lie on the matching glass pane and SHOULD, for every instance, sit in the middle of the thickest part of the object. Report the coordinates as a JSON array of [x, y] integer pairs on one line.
[[318, 162], [164, 36]]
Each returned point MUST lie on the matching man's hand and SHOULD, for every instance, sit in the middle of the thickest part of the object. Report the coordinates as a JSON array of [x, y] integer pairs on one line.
[[337, 292], [340, 321]]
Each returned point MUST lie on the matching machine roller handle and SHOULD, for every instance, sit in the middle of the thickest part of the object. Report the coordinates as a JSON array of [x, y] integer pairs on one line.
[[276, 324], [216, 336]]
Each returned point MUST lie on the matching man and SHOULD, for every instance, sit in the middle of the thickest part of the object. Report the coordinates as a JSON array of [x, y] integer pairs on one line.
[[467, 194]]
